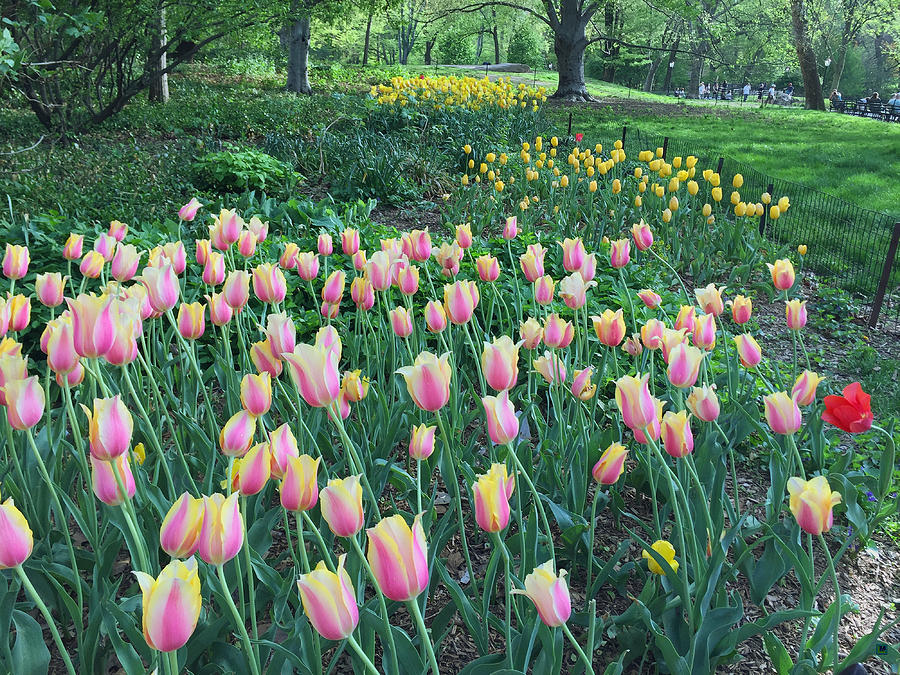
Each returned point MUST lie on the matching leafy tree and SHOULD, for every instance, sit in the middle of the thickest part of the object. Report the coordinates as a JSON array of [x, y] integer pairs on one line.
[[526, 47]]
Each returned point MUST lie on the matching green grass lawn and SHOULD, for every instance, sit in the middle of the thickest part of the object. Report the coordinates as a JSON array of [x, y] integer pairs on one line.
[[849, 157]]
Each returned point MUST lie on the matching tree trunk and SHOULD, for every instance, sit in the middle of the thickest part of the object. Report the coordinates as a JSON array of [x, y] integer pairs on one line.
[[159, 84], [496, 34], [569, 44], [298, 57], [428, 45], [839, 66], [365, 58], [809, 70], [651, 73], [667, 84], [696, 71], [479, 46]]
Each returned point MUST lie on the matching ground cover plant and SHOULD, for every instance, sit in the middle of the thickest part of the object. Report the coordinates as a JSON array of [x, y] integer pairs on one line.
[[284, 437]]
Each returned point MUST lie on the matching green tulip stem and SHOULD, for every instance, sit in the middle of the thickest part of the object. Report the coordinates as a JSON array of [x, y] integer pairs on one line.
[[507, 599], [537, 499], [370, 667], [51, 624], [590, 562], [381, 601], [62, 524], [251, 586], [837, 600], [423, 632], [150, 432], [172, 662], [238, 622], [453, 482], [323, 549], [335, 416], [143, 559], [589, 667]]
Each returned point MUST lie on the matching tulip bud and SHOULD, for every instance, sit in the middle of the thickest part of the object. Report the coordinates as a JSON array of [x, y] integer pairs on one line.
[[782, 274], [795, 312], [500, 363], [611, 464], [549, 593], [435, 316], [237, 434], [15, 261], [50, 288], [222, 532], [314, 371], [558, 333], [748, 350], [551, 368], [247, 244], [256, 393], [664, 549], [91, 265], [299, 487], [189, 211], [635, 402], [812, 502], [220, 312], [532, 262], [676, 434], [110, 427], [491, 493], [73, 246], [703, 403], [686, 318], [643, 235], [171, 605], [460, 300], [269, 283], [782, 413], [398, 556], [354, 387], [329, 601], [362, 293], [253, 470], [510, 228], [574, 254], [401, 322], [804, 390], [342, 509], [428, 381], [464, 235], [705, 332], [488, 268], [349, 241], [531, 333], [192, 320], [741, 309], [609, 327], [502, 423], [19, 309], [264, 358], [324, 244], [649, 298], [179, 534], [421, 442], [237, 289], [18, 540], [162, 286], [333, 290]]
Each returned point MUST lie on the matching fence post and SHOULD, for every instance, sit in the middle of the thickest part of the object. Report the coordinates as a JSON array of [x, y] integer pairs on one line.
[[569, 134], [765, 213], [624, 131], [885, 276], [665, 146], [721, 162]]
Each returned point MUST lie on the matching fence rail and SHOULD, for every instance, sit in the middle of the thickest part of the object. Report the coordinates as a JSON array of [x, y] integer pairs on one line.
[[851, 247]]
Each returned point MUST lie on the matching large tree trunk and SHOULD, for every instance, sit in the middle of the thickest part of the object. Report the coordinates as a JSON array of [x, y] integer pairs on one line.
[[569, 43], [429, 43], [651, 73], [667, 84], [159, 84], [809, 70], [696, 72], [298, 34], [365, 58]]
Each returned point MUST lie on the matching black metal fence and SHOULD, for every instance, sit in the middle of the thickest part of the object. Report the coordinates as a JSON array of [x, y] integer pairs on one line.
[[851, 247]]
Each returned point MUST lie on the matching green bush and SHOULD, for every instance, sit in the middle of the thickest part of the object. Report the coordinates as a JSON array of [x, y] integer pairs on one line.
[[246, 170], [455, 48], [525, 46]]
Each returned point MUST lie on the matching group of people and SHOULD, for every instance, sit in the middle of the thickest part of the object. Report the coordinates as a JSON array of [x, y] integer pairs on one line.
[[871, 105], [713, 91]]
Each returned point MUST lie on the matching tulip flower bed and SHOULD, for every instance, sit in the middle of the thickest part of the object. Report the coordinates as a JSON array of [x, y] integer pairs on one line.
[[526, 431]]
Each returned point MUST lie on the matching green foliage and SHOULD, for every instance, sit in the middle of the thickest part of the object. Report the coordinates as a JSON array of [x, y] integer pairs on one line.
[[526, 46], [455, 46], [245, 170]]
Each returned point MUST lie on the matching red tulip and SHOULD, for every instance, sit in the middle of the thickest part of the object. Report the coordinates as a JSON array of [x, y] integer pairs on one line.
[[851, 412]]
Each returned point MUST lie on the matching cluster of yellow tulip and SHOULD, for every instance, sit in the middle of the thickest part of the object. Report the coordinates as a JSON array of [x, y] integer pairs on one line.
[[463, 92]]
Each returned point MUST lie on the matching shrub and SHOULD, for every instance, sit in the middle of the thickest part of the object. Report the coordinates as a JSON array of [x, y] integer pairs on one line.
[[526, 46], [456, 48], [246, 170]]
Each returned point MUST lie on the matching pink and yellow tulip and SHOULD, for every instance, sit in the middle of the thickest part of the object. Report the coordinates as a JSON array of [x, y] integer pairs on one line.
[[491, 493], [812, 502], [329, 601], [171, 605], [428, 381], [398, 556], [342, 509], [222, 531], [179, 534]]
